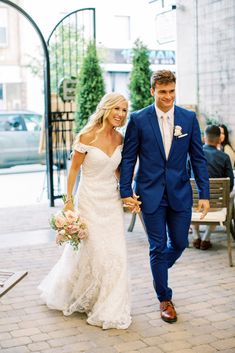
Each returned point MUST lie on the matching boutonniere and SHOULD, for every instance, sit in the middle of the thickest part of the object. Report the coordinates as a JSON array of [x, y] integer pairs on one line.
[[178, 132]]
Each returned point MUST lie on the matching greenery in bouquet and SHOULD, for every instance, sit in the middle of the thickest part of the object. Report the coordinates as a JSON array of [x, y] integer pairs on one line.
[[70, 227]]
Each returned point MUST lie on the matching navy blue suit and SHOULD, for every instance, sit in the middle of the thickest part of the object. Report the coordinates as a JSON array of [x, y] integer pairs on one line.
[[163, 185]]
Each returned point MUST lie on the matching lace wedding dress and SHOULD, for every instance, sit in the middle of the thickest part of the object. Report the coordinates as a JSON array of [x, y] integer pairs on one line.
[[94, 279]]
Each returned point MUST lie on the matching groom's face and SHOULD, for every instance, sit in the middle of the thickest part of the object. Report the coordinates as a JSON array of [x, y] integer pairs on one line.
[[164, 95]]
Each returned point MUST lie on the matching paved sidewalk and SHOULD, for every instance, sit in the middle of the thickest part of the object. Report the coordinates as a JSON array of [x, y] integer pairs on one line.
[[204, 295]]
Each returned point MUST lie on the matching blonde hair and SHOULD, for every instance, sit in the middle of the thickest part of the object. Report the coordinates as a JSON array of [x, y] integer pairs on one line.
[[103, 109]]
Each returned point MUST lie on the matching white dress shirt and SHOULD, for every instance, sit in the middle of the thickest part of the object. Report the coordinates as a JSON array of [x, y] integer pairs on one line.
[[168, 125]]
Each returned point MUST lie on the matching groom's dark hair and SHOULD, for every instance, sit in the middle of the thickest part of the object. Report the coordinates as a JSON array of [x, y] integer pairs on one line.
[[162, 77], [212, 133]]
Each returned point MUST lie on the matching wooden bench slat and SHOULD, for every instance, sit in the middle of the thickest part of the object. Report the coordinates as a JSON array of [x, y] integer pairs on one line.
[[9, 279]]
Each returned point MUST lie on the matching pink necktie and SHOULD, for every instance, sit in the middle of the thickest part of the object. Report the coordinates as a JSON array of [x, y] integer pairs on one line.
[[166, 135]]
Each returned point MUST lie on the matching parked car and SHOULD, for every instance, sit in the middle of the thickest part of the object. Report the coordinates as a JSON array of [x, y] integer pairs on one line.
[[19, 138]]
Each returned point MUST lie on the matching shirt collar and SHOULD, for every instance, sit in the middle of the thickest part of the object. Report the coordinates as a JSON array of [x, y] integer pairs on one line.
[[160, 113], [209, 146]]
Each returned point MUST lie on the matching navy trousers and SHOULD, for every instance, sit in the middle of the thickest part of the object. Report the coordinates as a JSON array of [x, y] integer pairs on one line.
[[167, 232]]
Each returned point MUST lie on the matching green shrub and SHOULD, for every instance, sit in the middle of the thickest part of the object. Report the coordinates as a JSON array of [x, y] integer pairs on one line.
[[139, 85], [90, 87]]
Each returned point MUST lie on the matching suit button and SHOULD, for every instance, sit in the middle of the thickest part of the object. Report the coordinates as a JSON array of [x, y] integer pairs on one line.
[[163, 184]]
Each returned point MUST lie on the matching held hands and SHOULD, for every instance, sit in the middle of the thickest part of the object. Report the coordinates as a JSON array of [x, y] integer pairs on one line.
[[132, 203], [203, 206]]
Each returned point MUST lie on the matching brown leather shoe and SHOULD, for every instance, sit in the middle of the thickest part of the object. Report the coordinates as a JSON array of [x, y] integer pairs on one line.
[[205, 245], [197, 243], [168, 313]]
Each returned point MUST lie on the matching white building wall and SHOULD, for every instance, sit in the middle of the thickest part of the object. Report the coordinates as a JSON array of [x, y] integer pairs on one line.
[[214, 73], [186, 55]]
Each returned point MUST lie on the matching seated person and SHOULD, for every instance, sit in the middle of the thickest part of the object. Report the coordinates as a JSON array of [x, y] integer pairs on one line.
[[225, 144], [219, 166]]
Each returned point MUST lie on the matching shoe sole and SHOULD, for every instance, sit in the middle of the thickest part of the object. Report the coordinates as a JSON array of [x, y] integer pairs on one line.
[[206, 248], [196, 246], [169, 321]]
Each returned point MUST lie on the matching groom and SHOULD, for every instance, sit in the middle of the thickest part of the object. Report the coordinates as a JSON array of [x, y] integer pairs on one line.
[[161, 136]]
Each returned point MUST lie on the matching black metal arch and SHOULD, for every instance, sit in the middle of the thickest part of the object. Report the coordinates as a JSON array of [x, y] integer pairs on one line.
[[47, 89], [74, 12], [63, 109], [47, 99]]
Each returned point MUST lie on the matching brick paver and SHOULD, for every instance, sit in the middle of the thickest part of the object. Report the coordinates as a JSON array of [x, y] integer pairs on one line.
[[203, 286]]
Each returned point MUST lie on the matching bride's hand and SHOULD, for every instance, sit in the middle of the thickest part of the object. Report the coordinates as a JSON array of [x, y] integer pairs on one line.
[[69, 206], [136, 209], [132, 203]]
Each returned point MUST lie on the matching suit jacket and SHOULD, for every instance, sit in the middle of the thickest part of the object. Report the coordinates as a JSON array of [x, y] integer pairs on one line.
[[219, 164], [143, 139]]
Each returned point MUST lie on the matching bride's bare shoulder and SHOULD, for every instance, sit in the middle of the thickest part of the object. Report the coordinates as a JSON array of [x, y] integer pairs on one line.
[[119, 137]]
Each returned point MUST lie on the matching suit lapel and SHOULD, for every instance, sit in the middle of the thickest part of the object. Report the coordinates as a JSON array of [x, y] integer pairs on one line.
[[177, 121], [156, 129]]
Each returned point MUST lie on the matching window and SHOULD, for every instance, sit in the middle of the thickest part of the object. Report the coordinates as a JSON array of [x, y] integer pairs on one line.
[[3, 27], [5, 123], [32, 122], [10, 123]]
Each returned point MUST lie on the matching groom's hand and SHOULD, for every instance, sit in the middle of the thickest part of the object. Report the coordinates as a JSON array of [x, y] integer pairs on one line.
[[203, 206], [132, 203]]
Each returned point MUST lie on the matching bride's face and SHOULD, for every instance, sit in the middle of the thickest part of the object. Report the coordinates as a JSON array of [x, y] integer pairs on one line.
[[118, 114]]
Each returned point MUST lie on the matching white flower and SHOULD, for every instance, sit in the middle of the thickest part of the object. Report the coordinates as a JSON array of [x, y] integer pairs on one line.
[[177, 130]]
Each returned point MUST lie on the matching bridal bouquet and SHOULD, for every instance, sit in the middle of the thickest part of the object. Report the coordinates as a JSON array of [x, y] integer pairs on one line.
[[70, 227]]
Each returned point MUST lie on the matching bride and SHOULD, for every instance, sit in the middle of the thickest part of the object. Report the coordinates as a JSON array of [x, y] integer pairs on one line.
[[94, 280]]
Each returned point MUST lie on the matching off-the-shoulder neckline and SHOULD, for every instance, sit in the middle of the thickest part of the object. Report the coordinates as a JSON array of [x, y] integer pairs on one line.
[[109, 156]]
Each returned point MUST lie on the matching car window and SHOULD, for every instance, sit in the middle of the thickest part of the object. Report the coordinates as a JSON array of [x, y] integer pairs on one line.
[[4, 124], [11, 123], [33, 122]]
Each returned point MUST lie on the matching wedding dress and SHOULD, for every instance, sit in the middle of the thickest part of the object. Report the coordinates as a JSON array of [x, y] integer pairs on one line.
[[94, 279]]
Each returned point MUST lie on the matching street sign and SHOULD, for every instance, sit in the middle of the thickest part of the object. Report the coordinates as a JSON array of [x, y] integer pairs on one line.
[[67, 88]]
